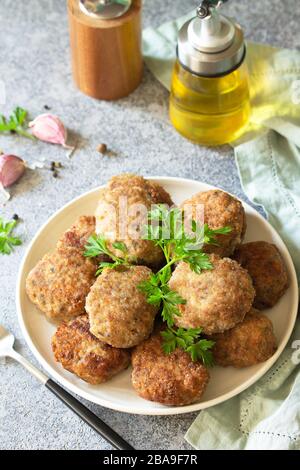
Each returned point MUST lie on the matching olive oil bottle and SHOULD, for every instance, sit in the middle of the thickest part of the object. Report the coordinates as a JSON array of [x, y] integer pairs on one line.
[[209, 101]]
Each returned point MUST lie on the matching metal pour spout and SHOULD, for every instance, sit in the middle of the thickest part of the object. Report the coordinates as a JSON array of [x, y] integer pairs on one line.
[[204, 9]]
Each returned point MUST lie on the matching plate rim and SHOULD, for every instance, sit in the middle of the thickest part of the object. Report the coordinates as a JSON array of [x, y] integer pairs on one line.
[[166, 410]]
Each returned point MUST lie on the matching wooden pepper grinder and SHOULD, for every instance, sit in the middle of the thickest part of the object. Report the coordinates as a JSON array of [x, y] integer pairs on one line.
[[106, 46]]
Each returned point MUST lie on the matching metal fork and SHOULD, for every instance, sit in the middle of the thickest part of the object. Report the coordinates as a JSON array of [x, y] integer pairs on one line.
[[7, 350]]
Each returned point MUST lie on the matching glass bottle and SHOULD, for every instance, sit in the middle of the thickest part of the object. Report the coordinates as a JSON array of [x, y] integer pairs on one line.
[[209, 100]]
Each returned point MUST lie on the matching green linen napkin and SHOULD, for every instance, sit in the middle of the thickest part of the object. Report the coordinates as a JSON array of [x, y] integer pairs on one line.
[[267, 415]]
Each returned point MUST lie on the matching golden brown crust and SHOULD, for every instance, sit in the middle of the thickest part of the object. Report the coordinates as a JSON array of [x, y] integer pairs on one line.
[[60, 282], [158, 194], [267, 269], [172, 379], [118, 222], [154, 192], [81, 353], [78, 235], [221, 210], [248, 343], [118, 311], [217, 299]]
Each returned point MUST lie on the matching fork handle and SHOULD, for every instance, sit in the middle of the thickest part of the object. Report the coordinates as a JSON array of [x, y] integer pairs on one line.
[[75, 405], [38, 374], [90, 418]]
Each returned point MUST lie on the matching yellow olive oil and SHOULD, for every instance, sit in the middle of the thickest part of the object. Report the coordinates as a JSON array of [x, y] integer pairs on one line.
[[210, 110]]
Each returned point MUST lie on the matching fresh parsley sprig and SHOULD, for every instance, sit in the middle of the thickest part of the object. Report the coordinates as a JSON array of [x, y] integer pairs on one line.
[[97, 246], [166, 229], [17, 122], [7, 240], [159, 293], [188, 340]]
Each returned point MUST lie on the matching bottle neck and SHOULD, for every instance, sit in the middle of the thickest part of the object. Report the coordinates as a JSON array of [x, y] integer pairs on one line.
[[212, 34]]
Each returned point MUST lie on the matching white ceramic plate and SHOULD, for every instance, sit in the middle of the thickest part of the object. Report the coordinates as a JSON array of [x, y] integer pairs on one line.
[[118, 393]]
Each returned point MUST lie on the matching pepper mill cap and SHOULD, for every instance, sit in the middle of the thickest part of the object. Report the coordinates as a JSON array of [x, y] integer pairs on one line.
[[105, 9], [210, 44]]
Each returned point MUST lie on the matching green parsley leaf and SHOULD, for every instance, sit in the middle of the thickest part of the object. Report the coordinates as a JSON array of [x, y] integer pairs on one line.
[[210, 234], [188, 340], [201, 351], [158, 293], [97, 246], [170, 341], [169, 311], [172, 297], [152, 290], [7, 240], [120, 246], [198, 262], [107, 265], [19, 116], [17, 122]]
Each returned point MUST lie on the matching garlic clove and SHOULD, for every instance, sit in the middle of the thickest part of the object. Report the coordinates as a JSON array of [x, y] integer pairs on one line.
[[49, 128], [11, 169]]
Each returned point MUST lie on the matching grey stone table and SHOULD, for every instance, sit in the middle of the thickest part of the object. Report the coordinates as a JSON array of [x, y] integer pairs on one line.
[[35, 70]]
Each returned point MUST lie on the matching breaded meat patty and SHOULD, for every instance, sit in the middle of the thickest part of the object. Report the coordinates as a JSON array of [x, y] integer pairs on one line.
[[248, 343], [220, 210], [266, 267], [78, 235], [217, 299], [81, 353], [122, 214], [118, 311], [170, 379], [60, 282]]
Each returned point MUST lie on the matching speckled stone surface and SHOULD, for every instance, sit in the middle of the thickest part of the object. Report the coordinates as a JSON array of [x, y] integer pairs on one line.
[[36, 72]]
